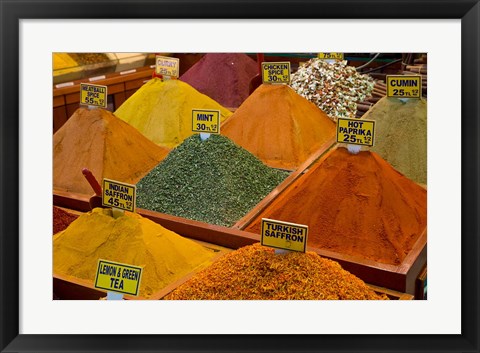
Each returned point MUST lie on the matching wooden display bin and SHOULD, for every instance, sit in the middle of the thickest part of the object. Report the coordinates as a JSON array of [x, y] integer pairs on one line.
[[400, 278]]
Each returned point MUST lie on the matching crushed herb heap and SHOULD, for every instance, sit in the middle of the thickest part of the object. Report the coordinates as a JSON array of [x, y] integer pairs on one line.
[[213, 181], [255, 272], [335, 88]]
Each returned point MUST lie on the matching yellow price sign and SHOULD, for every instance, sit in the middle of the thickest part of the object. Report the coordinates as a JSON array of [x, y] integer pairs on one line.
[[284, 235], [118, 195], [403, 86], [276, 72], [355, 131], [167, 66], [204, 120], [95, 95], [335, 56], [118, 277]]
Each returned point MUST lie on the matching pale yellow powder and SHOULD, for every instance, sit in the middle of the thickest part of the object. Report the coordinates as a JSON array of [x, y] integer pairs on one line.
[[130, 239], [162, 110]]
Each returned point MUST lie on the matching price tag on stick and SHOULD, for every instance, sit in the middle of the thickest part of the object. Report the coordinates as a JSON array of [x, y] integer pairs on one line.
[[356, 131], [276, 72], [93, 95], [330, 56], [284, 235], [167, 67], [119, 196], [118, 279], [206, 122], [402, 86]]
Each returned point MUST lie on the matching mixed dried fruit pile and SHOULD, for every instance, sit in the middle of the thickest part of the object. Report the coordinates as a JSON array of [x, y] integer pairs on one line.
[[334, 87]]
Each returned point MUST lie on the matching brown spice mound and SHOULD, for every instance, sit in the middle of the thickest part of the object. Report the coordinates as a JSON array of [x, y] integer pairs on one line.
[[279, 126], [255, 272], [61, 219], [98, 140], [355, 205]]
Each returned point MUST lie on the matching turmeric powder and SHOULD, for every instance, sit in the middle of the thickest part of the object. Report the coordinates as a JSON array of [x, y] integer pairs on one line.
[[162, 110], [131, 239]]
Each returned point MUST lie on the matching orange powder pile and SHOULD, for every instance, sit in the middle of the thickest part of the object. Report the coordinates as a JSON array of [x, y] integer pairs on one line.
[[279, 126], [355, 205], [110, 148]]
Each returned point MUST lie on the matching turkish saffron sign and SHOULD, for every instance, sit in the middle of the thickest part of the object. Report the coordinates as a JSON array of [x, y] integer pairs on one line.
[[284, 235]]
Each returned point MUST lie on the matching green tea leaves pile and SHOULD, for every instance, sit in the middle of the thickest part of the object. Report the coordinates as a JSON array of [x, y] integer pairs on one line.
[[335, 88], [213, 181]]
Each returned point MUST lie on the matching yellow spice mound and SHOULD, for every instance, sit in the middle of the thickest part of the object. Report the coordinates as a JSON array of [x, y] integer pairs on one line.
[[109, 147], [256, 272], [279, 126], [63, 61], [130, 239], [162, 110]]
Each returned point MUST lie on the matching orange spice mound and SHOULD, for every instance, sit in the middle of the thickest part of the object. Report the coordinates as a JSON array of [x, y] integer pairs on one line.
[[255, 272], [98, 140], [279, 126], [355, 205]]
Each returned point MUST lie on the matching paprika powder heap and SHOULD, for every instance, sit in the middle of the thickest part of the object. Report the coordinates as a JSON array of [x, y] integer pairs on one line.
[[224, 77], [162, 110], [355, 205], [279, 127], [107, 146]]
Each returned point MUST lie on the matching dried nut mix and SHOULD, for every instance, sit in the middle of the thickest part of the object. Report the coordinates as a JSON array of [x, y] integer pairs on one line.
[[334, 87]]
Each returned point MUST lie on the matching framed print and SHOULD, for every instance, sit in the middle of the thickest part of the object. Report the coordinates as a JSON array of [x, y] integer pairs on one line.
[[446, 32]]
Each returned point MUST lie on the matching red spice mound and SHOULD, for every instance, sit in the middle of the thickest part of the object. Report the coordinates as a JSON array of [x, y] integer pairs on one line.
[[279, 126], [224, 77], [61, 219], [355, 205]]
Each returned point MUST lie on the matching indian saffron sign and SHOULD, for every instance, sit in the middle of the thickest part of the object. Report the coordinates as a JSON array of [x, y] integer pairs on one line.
[[118, 277], [284, 235], [118, 195]]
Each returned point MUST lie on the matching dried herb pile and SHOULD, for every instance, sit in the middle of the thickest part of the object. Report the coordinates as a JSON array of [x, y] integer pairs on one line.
[[213, 181], [334, 88], [255, 272]]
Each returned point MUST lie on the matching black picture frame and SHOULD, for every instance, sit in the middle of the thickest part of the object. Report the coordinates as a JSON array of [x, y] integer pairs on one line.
[[12, 11]]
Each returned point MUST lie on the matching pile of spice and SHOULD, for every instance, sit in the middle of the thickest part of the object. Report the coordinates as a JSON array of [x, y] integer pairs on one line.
[[355, 205], [213, 181], [130, 239], [89, 58], [401, 135], [280, 127], [334, 87], [255, 272], [224, 77], [61, 219], [109, 147], [63, 61], [162, 110]]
